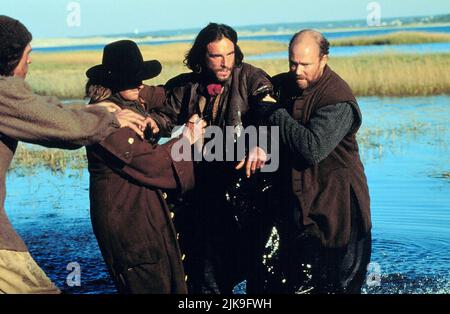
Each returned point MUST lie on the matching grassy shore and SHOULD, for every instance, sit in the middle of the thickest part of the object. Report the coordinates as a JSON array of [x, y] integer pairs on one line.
[[397, 38], [62, 74], [386, 75], [29, 158]]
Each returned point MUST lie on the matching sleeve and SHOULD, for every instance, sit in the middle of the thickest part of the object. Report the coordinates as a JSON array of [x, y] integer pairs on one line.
[[259, 85], [167, 116], [163, 107], [261, 98], [316, 140], [43, 120], [151, 165], [153, 97]]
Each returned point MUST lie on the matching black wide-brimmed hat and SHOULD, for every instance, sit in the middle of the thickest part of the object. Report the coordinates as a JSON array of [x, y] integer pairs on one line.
[[123, 66]]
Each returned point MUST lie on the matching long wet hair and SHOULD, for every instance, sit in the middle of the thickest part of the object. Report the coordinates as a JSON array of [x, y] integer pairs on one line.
[[195, 57]]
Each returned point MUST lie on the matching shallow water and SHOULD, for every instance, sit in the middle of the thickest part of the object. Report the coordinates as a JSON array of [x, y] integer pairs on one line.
[[406, 157]]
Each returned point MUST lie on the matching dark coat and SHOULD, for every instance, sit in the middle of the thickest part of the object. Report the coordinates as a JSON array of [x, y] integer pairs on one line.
[[205, 220], [245, 89], [129, 213], [324, 190]]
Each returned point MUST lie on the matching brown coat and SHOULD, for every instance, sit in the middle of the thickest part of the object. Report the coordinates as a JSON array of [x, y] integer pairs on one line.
[[130, 216], [27, 117], [324, 190]]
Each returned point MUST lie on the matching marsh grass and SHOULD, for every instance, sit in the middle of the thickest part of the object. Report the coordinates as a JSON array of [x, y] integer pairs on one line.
[[63, 74], [385, 75], [397, 38], [57, 160]]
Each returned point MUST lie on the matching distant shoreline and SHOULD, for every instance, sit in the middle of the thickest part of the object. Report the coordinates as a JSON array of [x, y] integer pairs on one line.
[[103, 40]]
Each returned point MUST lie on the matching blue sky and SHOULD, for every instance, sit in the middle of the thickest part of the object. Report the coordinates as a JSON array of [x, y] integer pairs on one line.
[[48, 18]]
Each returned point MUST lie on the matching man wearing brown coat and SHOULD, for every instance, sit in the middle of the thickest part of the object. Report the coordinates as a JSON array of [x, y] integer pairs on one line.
[[324, 224], [35, 119], [129, 213]]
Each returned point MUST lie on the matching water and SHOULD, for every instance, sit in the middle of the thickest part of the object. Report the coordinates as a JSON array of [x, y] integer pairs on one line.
[[405, 149], [410, 197], [285, 38]]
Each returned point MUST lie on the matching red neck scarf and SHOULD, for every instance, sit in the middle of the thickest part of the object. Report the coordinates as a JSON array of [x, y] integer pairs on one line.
[[214, 89]]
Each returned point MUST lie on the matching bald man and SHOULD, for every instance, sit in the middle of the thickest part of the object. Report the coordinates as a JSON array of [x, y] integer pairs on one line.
[[324, 224]]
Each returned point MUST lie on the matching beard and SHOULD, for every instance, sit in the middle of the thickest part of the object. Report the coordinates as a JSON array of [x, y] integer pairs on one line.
[[302, 83], [220, 75]]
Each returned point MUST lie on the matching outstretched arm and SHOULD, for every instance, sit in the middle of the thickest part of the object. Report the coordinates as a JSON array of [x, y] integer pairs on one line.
[[316, 140], [43, 120], [151, 165]]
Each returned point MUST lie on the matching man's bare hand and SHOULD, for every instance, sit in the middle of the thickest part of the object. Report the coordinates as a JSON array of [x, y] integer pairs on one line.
[[134, 121], [112, 107], [256, 160], [152, 125], [194, 129]]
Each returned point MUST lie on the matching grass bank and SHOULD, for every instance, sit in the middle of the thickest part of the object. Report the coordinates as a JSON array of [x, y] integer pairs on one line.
[[386, 75], [29, 158], [63, 74], [397, 38]]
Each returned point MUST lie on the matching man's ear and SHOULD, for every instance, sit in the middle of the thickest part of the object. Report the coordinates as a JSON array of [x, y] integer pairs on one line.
[[323, 61]]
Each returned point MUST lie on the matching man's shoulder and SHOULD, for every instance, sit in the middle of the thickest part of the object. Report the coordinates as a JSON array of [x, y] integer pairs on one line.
[[182, 80], [14, 90], [12, 83], [253, 78], [336, 85], [247, 68]]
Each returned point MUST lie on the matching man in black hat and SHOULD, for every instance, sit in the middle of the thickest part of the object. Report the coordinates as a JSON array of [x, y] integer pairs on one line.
[[225, 91], [25, 116], [129, 213]]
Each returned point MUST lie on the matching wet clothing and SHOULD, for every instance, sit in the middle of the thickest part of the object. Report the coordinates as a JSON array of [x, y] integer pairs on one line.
[[303, 265], [25, 116], [324, 221], [130, 216], [217, 258]]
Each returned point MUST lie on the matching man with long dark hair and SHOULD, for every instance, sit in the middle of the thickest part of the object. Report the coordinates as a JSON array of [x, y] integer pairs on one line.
[[225, 92]]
